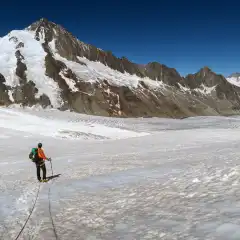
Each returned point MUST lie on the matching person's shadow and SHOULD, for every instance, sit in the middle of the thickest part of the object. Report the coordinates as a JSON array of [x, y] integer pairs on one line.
[[54, 176]]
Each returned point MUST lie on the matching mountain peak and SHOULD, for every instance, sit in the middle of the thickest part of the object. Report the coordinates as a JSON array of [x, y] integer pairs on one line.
[[205, 69], [45, 31], [43, 22]]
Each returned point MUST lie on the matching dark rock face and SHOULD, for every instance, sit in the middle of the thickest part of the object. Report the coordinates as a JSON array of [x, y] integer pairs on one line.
[[207, 78], [4, 98], [21, 67], [157, 71], [203, 93]]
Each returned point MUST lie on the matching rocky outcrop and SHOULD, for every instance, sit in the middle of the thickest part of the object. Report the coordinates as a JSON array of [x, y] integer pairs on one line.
[[92, 81], [4, 98]]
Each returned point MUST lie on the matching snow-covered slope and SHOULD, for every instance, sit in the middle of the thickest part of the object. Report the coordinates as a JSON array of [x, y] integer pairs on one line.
[[8, 60], [178, 181], [33, 56], [98, 72], [59, 128], [234, 80]]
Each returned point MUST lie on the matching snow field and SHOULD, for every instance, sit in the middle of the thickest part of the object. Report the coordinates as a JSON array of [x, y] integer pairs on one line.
[[178, 181]]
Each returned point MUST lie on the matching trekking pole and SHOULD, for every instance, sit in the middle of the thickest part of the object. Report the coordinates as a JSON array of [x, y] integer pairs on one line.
[[51, 166]]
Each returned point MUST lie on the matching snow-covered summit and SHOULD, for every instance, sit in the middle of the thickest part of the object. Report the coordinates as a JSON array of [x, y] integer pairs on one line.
[[45, 64]]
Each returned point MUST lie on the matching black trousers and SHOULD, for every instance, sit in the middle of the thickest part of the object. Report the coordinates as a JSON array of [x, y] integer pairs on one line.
[[39, 167]]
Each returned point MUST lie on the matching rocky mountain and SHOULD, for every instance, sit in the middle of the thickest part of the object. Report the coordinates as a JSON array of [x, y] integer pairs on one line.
[[46, 65]]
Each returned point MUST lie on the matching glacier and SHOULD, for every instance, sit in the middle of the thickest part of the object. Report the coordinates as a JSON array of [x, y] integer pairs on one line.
[[136, 178], [234, 80]]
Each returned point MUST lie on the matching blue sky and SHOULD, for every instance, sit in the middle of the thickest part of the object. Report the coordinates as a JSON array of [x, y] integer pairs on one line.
[[186, 35]]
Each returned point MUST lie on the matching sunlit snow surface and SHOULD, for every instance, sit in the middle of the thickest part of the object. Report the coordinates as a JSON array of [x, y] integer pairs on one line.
[[120, 178], [234, 80]]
